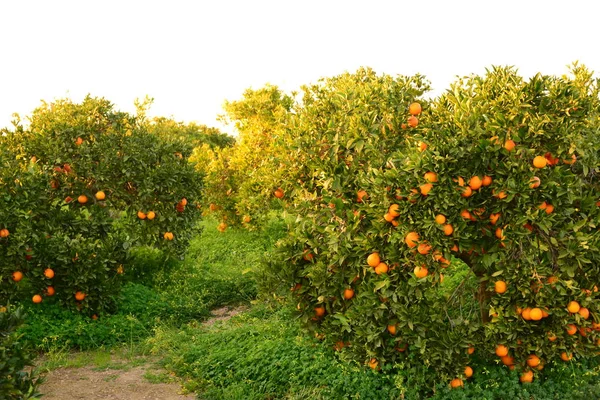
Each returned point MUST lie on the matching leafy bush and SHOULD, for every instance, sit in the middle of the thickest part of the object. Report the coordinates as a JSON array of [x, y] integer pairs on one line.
[[15, 357]]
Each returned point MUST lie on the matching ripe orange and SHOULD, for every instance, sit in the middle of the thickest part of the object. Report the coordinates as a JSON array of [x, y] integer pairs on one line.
[[566, 356], [500, 195], [533, 361], [213, 207], [571, 161], [279, 193], [100, 195], [456, 383], [360, 195], [246, 219], [319, 311], [391, 329], [540, 162], [373, 259], [183, 202], [36, 298], [466, 215], [394, 210], [348, 294], [507, 360], [487, 180], [422, 146], [549, 209], [584, 312], [395, 223], [382, 268], [79, 141], [526, 377], [471, 350], [571, 329], [412, 239], [413, 121], [431, 177], [79, 296], [120, 270], [535, 182], [526, 313], [17, 276], [222, 227], [573, 307], [424, 248], [168, 236], [466, 191], [421, 271], [499, 233], [475, 183], [509, 145], [49, 273], [500, 287], [388, 217], [141, 215], [448, 229], [551, 337], [373, 363], [536, 314], [82, 199], [468, 372], [494, 218], [426, 188], [50, 291], [151, 215], [414, 109], [528, 226], [501, 350], [440, 219]]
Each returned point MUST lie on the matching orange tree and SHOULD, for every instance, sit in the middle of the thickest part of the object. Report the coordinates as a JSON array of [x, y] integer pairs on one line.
[[494, 182], [241, 180], [82, 186]]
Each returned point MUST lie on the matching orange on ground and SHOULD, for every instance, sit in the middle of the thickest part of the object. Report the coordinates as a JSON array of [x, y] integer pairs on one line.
[[501, 350], [348, 294], [17, 276], [440, 219], [413, 121], [500, 287], [36, 298], [540, 162], [448, 229], [573, 307], [536, 314], [431, 177], [475, 183], [420, 272], [382, 268], [412, 239], [414, 108], [373, 260], [49, 273]]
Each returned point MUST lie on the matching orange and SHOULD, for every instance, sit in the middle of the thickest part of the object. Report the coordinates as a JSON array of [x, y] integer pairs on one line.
[[94, 317], [551, 337], [348, 294], [571, 161], [414, 109], [169, 235], [279, 193], [79, 296], [533, 361], [494, 218], [507, 360], [308, 256], [584, 312], [222, 227], [528, 226], [213, 207], [82, 199], [79, 141], [573, 307], [540, 162], [501, 350], [509, 145], [319, 311], [151, 215], [487, 180], [17, 276], [373, 363], [466, 192], [395, 223], [456, 383], [100, 195], [50, 291], [360, 195], [549, 209], [424, 248], [475, 183], [426, 188], [448, 229], [412, 239], [460, 181], [36, 298], [373, 259], [394, 210], [501, 195], [571, 329], [183, 202], [499, 233], [49, 273], [466, 214], [422, 146], [141, 215], [246, 219], [526, 313], [471, 350], [382, 268], [388, 217], [535, 314], [468, 372], [413, 121], [566, 356], [535, 182], [440, 219], [431, 177], [421, 272], [526, 377], [391, 329], [500, 287]]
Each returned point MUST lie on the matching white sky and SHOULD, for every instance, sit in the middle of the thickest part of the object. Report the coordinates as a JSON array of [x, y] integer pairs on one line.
[[192, 55]]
